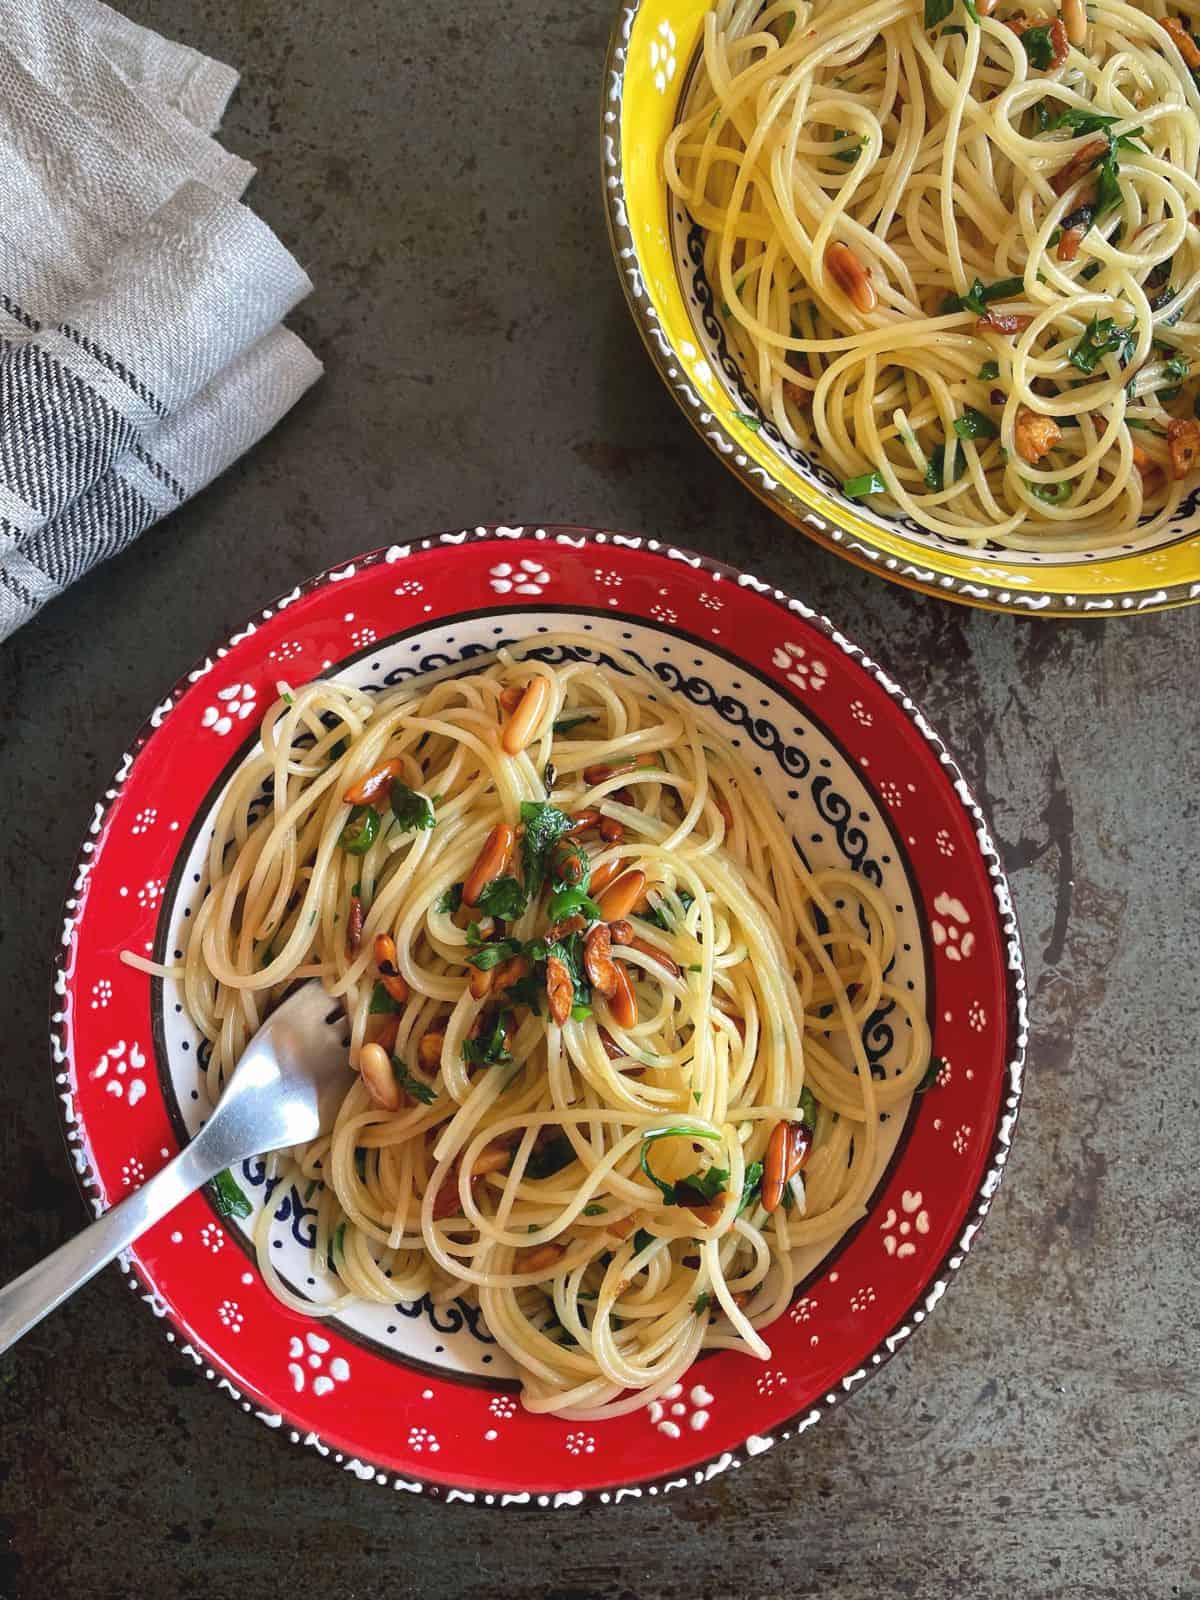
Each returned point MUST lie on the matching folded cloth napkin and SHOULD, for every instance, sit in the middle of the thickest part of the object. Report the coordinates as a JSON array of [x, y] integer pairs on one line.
[[141, 350]]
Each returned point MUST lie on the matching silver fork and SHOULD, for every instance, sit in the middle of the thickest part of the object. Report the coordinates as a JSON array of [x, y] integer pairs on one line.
[[285, 1090]]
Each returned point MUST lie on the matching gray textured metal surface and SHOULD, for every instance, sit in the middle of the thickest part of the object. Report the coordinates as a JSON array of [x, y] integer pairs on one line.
[[437, 171]]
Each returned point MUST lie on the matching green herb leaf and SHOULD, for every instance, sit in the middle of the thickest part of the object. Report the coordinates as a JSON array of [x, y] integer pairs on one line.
[[1100, 338], [337, 1247], [846, 152], [491, 955], [544, 824], [752, 1187], [808, 1108], [1081, 122], [503, 897], [595, 1211], [868, 483], [975, 425], [935, 478], [972, 11], [1039, 47], [572, 902], [416, 1087], [980, 295], [751, 422], [642, 1240], [937, 11], [1108, 192], [361, 832], [452, 899], [490, 1049], [526, 992], [1054, 494], [411, 810], [668, 1189], [547, 1159], [338, 750], [382, 1003], [989, 369], [565, 724], [227, 1194], [701, 1302], [1179, 366], [1041, 117], [657, 917], [954, 27]]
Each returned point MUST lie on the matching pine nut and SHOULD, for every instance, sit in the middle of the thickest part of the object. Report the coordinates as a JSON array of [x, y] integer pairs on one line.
[[601, 773], [386, 1037], [598, 962], [429, 1051], [368, 788], [492, 1158], [384, 951], [604, 874], [622, 1228], [527, 716], [510, 697], [479, 983], [540, 1257], [375, 1069], [621, 932], [851, 277], [623, 1004], [621, 897], [489, 863], [655, 954], [354, 925], [1074, 20], [723, 808], [611, 831]]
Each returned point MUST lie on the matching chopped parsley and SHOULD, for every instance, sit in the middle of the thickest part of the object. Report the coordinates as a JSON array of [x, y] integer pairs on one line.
[[937, 11], [544, 826], [975, 425], [416, 1087], [657, 917], [361, 832], [230, 1201], [701, 1182], [337, 1247], [846, 152], [868, 483], [752, 1187], [491, 1047], [573, 902], [701, 1302], [487, 956], [382, 1003], [1039, 47], [452, 899], [1054, 494], [1102, 337], [547, 1159], [565, 724], [989, 369], [595, 1211], [808, 1108], [412, 811], [503, 897]]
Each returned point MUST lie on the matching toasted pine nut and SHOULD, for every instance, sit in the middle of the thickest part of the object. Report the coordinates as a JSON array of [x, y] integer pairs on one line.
[[624, 1226], [1183, 40], [386, 1037], [373, 785], [527, 716], [707, 1212], [598, 962], [723, 808], [612, 831], [621, 932], [489, 863], [602, 772], [621, 897], [509, 972], [774, 1163], [611, 1048], [655, 954], [604, 874], [429, 1051], [479, 983], [560, 989], [385, 960], [446, 1201], [375, 1069], [623, 1004], [541, 1256], [1183, 446], [583, 820], [354, 925], [510, 697], [1074, 20], [492, 1158], [851, 277]]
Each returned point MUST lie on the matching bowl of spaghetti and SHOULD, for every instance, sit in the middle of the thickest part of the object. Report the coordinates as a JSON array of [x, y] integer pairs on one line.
[[683, 1001], [923, 274]]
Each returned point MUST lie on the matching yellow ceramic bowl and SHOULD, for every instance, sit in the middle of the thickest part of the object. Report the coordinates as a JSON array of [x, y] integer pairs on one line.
[[650, 58]]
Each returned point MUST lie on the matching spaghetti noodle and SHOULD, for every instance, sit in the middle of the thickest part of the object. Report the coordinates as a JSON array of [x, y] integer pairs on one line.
[[608, 1028], [955, 251]]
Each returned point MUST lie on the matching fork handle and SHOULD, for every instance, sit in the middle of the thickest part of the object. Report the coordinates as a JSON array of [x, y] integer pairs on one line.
[[32, 1296]]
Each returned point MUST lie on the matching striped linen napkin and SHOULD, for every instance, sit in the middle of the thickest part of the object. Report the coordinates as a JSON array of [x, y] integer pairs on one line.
[[141, 346]]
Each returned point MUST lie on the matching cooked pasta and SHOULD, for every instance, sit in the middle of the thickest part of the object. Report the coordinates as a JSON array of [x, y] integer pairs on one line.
[[608, 1028], [955, 251]]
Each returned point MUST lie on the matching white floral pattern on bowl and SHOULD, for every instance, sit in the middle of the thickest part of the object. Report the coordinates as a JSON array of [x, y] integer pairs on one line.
[[662, 57], [236, 703], [951, 928], [670, 1413], [308, 1364], [808, 673], [525, 577], [117, 1065], [898, 1228]]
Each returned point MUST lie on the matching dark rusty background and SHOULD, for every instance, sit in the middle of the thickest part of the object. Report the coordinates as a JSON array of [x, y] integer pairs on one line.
[[437, 170]]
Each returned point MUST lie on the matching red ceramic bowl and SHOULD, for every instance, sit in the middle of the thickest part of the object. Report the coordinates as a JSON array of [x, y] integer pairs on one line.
[[418, 1397]]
